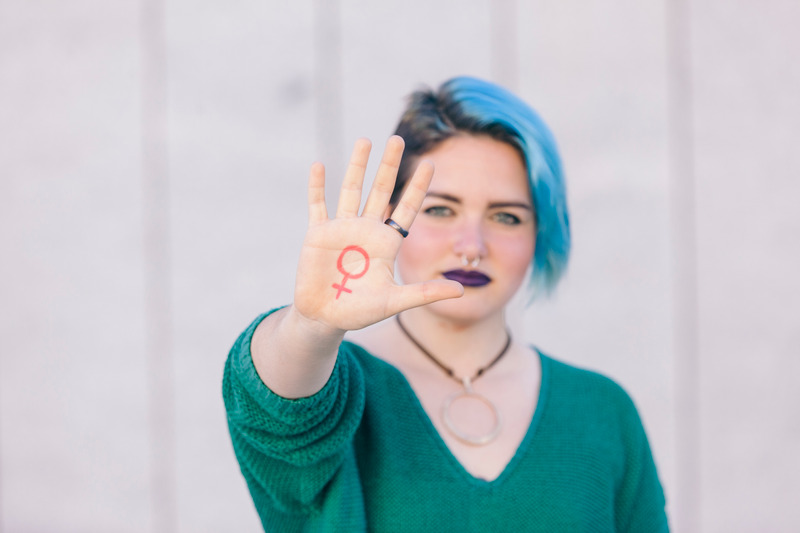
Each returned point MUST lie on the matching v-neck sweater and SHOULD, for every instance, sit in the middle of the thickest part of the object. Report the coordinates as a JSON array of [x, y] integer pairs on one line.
[[362, 455]]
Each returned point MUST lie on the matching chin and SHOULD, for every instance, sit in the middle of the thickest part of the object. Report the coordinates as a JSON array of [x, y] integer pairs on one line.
[[470, 308]]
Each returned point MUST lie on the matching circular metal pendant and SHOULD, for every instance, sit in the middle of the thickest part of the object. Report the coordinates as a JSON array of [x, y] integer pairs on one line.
[[460, 435]]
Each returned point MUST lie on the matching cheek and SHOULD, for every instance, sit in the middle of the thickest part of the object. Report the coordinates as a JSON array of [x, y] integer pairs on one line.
[[516, 253], [417, 256]]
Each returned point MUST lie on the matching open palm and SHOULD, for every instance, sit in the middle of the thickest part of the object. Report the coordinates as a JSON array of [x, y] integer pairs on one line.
[[345, 278]]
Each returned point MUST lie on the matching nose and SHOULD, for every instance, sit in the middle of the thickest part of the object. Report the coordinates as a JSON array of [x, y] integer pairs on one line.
[[470, 241]]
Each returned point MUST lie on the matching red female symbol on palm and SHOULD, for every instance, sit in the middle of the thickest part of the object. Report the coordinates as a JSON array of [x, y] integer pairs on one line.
[[349, 275]]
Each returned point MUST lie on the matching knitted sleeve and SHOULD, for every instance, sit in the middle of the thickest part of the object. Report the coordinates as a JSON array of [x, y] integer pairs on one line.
[[289, 451]]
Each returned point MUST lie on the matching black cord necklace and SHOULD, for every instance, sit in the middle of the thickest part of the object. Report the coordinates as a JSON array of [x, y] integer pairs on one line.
[[468, 391]]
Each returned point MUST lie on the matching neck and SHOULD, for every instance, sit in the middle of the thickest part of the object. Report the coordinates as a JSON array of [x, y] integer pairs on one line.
[[462, 346]]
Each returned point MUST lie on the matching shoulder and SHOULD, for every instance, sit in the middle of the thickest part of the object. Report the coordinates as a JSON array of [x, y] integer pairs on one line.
[[586, 410], [580, 378], [581, 390]]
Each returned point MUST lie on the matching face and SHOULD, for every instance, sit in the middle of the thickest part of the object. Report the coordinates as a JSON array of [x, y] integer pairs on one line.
[[478, 206]]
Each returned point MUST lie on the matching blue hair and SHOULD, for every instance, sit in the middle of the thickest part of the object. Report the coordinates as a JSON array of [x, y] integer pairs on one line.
[[471, 105]]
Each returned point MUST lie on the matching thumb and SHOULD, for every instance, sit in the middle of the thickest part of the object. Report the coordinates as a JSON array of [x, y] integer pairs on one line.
[[417, 294]]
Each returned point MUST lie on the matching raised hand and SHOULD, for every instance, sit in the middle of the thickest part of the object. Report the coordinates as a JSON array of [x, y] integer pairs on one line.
[[345, 279]]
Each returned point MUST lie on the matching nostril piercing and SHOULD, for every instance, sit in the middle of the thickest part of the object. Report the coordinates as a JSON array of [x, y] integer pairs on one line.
[[474, 263]]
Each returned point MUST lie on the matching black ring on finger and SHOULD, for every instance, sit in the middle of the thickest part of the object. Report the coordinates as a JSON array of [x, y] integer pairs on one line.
[[392, 224]]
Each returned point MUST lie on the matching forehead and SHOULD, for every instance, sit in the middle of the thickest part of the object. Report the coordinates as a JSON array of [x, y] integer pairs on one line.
[[479, 165]]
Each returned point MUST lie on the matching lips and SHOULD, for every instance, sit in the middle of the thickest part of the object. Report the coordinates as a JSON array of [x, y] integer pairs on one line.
[[468, 278]]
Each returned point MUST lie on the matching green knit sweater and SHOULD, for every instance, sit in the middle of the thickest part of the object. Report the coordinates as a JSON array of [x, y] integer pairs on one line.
[[361, 454]]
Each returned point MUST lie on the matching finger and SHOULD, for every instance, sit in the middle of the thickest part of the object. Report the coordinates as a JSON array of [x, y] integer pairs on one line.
[[409, 204], [350, 195], [317, 212], [382, 187], [409, 296]]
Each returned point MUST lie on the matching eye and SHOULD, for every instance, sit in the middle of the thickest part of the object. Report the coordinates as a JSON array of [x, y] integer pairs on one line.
[[506, 218], [439, 211]]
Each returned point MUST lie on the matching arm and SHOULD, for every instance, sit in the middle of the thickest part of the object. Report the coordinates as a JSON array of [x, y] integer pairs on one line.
[[345, 277], [290, 450], [293, 395], [294, 356]]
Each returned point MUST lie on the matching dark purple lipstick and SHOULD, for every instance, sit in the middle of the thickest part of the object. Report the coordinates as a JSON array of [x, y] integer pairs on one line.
[[468, 278]]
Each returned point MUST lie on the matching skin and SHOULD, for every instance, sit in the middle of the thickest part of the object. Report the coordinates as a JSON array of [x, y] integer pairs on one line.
[[478, 205], [294, 350]]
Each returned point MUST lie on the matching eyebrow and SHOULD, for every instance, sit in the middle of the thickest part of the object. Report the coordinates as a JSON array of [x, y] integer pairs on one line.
[[494, 205]]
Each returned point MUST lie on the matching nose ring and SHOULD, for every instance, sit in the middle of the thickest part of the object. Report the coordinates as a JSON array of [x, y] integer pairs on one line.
[[473, 263]]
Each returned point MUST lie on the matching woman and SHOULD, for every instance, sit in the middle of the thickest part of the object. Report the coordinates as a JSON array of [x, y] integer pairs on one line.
[[436, 419]]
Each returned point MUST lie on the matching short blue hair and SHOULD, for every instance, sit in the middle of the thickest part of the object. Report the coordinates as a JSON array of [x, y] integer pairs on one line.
[[471, 105]]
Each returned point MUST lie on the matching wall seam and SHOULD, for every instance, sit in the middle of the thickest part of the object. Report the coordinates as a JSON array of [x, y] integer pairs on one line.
[[159, 360], [504, 43], [683, 225], [328, 84]]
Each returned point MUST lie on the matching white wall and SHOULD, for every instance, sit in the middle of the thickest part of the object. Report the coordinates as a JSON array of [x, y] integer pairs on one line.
[[153, 158]]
